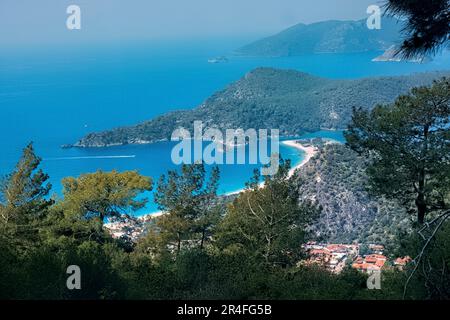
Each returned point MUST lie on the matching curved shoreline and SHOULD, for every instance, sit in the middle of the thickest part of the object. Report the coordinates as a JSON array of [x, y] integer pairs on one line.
[[310, 151]]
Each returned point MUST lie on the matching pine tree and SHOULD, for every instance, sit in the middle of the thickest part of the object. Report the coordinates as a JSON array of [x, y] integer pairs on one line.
[[23, 203], [427, 25], [189, 201], [410, 143], [268, 222], [102, 195]]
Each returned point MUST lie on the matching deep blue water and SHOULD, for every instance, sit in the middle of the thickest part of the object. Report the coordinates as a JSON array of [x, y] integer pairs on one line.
[[54, 96]]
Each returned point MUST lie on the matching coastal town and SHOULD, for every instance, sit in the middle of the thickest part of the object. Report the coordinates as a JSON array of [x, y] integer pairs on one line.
[[334, 257]]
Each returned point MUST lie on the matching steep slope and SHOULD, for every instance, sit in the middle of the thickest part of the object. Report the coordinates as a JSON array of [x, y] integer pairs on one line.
[[335, 179]]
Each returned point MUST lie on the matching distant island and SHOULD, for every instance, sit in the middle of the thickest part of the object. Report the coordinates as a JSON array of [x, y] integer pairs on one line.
[[326, 37], [291, 101]]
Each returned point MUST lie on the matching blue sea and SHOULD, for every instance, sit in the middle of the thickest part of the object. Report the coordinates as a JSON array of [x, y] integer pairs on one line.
[[54, 96]]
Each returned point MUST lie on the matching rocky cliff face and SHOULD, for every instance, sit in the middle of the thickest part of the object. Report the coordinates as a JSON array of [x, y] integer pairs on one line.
[[336, 180]]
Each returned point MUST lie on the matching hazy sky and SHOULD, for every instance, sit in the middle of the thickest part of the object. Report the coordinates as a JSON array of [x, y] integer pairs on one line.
[[44, 21]]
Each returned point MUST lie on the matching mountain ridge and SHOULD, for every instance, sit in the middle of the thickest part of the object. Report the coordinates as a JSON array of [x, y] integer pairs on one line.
[[330, 36]]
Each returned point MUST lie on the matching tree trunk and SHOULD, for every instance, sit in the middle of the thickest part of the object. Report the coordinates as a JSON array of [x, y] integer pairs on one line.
[[203, 239], [420, 200], [268, 248], [421, 210], [179, 243]]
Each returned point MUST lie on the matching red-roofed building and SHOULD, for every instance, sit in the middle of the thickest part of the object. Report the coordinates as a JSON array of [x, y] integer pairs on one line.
[[319, 252], [371, 262], [337, 248], [380, 263], [400, 263], [331, 256]]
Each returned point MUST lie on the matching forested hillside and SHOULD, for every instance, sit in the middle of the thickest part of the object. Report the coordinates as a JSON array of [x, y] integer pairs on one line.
[[265, 98]]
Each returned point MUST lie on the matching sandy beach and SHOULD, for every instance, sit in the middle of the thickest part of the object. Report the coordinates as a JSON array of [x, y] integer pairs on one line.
[[309, 151]]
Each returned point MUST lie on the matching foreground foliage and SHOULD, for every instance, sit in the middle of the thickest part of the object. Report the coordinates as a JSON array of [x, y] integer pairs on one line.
[[410, 144]]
